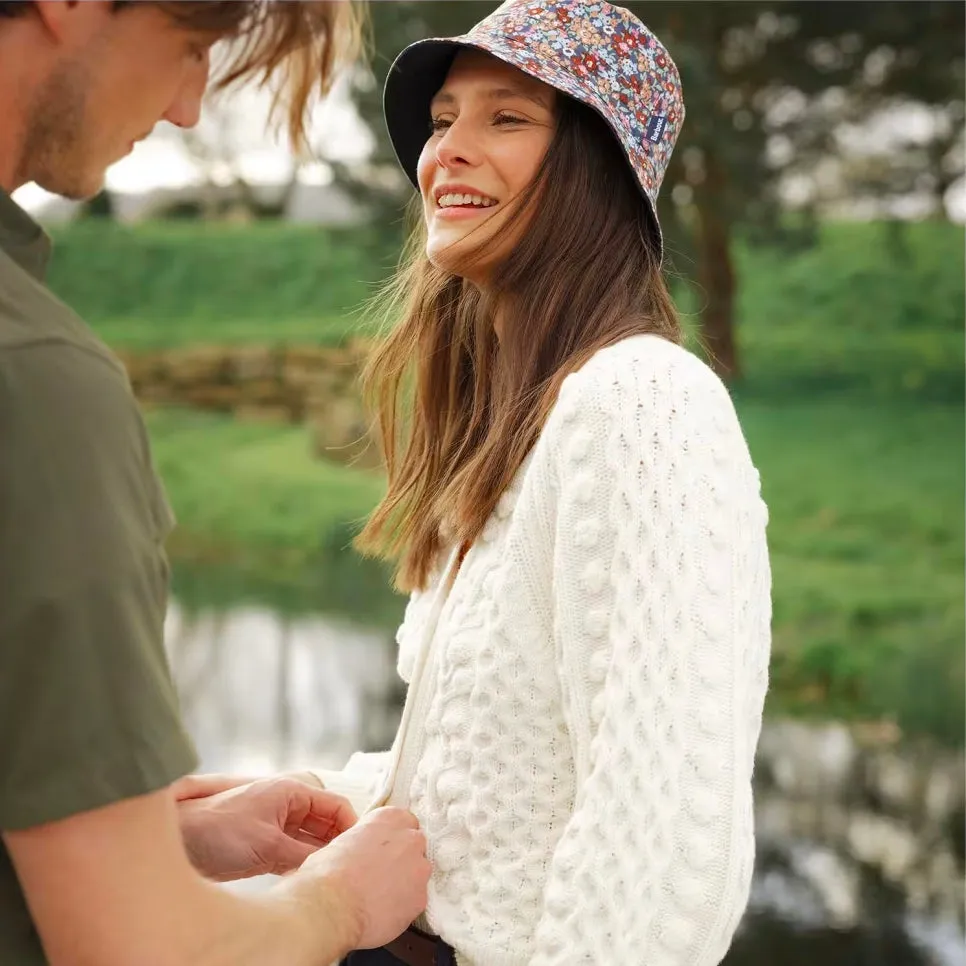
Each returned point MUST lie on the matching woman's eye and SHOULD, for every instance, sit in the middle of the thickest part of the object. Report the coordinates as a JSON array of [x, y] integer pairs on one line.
[[439, 124]]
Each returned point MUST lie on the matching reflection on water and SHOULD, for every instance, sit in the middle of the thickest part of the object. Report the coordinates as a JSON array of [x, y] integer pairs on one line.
[[262, 693]]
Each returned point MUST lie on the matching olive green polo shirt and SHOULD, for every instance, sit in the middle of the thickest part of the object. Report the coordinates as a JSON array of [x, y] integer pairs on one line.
[[88, 711]]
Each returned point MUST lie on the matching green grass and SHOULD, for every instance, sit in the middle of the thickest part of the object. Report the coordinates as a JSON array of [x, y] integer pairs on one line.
[[861, 313], [866, 536], [172, 284], [852, 405], [279, 496], [260, 517]]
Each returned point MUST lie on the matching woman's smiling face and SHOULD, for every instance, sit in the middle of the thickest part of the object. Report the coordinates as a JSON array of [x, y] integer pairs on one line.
[[491, 128]]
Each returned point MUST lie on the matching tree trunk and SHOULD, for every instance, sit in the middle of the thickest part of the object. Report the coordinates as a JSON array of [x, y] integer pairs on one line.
[[715, 272]]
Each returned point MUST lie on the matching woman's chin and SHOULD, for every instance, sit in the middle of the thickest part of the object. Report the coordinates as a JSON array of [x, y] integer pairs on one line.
[[455, 258]]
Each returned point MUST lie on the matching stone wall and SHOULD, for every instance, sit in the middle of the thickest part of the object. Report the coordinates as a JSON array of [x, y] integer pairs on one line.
[[314, 385]]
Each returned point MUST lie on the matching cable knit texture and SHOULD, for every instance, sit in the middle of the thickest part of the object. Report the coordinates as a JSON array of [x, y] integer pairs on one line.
[[587, 695]]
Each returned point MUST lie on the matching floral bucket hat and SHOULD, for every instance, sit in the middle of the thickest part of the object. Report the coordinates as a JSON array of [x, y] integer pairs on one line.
[[597, 53]]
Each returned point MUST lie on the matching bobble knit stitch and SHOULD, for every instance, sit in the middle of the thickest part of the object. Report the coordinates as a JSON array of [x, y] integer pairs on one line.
[[596, 681]]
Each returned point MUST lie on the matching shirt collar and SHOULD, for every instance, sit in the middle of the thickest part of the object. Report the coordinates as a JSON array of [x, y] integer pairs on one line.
[[22, 238]]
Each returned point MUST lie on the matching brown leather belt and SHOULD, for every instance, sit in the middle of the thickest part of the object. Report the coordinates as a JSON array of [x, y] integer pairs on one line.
[[415, 948]]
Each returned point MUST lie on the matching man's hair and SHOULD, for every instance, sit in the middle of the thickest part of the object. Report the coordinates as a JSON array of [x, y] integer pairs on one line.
[[295, 47], [458, 409]]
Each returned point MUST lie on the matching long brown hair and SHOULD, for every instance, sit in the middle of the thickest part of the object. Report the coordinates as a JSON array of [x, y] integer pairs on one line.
[[457, 409], [297, 47]]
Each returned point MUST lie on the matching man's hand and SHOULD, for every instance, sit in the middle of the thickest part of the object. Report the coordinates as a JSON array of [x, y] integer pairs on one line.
[[379, 875], [238, 828]]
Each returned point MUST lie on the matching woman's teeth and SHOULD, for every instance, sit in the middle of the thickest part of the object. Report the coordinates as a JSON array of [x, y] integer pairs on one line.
[[477, 201]]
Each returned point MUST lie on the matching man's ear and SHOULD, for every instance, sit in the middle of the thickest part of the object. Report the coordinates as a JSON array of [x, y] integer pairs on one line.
[[72, 21]]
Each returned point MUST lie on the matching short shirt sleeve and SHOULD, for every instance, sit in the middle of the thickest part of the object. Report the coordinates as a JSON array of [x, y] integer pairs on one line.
[[88, 709]]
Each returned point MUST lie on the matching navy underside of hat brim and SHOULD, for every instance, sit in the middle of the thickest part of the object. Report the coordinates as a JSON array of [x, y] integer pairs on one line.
[[413, 80]]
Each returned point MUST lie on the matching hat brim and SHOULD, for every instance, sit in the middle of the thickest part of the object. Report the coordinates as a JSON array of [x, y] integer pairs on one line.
[[416, 76], [413, 80]]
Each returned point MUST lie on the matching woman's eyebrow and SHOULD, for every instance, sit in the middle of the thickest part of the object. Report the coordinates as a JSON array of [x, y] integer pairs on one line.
[[493, 94]]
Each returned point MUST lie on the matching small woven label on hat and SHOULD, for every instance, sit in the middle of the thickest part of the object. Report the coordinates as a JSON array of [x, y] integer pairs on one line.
[[654, 130]]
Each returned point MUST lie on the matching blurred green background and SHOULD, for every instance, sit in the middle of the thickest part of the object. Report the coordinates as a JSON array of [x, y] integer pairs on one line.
[[852, 403], [813, 253]]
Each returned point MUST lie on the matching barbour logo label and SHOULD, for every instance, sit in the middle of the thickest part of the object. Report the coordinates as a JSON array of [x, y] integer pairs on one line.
[[654, 130]]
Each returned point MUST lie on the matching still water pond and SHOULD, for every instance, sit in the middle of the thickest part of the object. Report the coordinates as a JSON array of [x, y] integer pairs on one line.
[[264, 693]]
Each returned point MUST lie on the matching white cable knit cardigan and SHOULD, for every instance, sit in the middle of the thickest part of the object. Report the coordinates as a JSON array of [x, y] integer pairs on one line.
[[586, 690]]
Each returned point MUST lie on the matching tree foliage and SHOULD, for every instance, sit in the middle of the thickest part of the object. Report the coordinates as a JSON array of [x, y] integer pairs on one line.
[[784, 101]]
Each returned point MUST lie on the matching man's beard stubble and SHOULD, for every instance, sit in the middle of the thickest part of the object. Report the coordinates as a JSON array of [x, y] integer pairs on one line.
[[55, 154]]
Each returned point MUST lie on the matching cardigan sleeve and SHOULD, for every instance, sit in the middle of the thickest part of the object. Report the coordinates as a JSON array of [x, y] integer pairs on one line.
[[662, 615]]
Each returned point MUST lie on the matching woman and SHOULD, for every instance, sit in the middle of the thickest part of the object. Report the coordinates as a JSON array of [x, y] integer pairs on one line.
[[573, 508]]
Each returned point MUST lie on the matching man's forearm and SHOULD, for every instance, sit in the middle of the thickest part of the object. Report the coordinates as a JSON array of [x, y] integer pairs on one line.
[[113, 886], [295, 924]]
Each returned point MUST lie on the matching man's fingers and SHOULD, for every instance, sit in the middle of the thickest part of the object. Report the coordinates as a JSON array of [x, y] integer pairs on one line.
[[313, 841], [320, 828], [328, 806], [332, 810]]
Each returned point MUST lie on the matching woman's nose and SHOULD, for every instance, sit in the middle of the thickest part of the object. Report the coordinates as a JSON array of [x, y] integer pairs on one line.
[[457, 146]]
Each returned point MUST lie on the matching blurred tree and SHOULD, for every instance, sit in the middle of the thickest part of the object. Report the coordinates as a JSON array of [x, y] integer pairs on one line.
[[217, 147], [780, 95], [100, 206], [771, 89]]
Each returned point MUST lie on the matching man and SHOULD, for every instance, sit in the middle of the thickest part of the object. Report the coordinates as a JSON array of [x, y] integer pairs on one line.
[[102, 835]]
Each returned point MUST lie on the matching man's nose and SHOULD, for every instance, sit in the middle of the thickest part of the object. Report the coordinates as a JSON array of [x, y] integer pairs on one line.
[[185, 110]]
